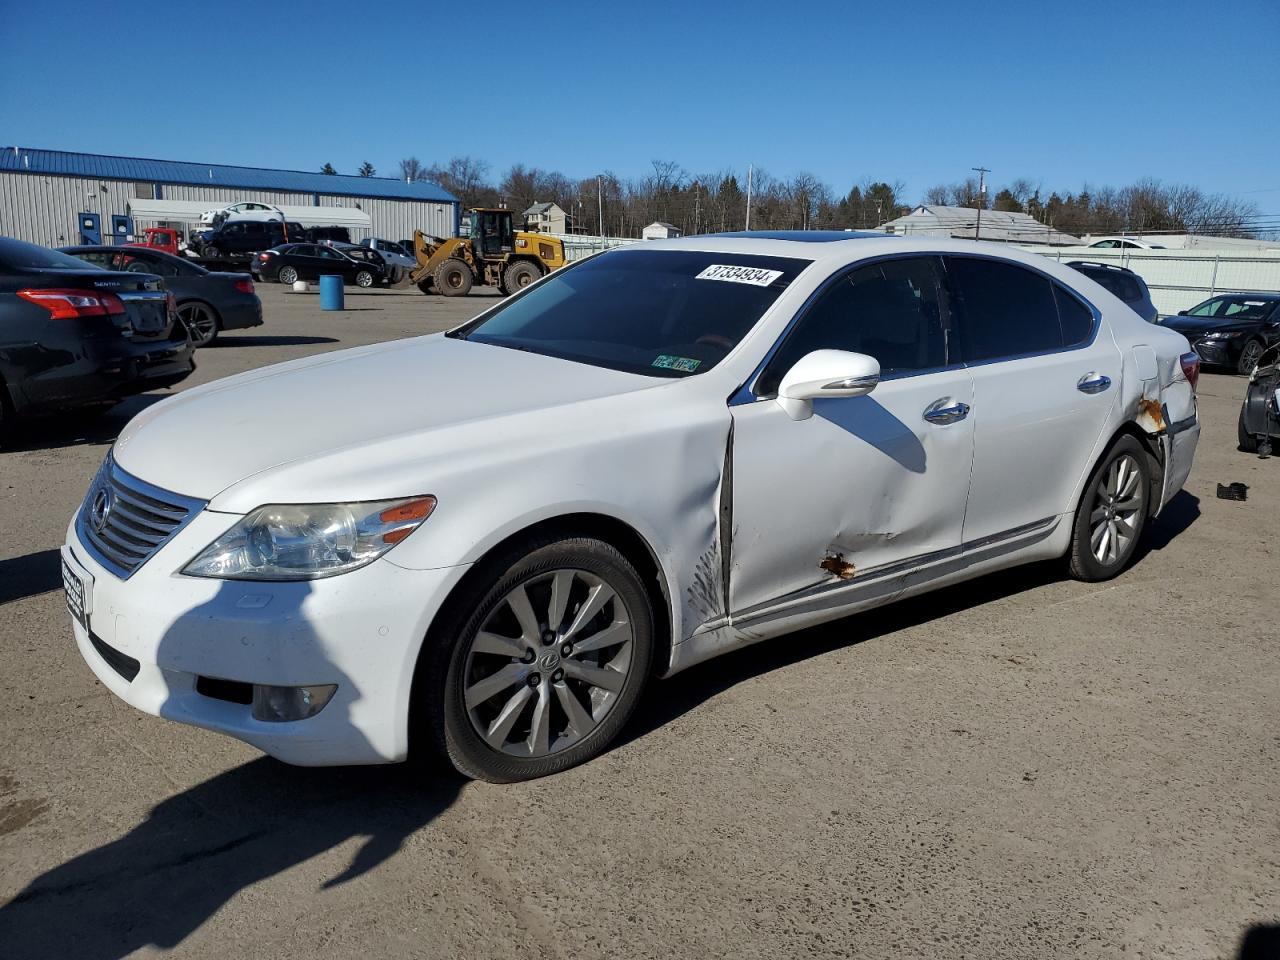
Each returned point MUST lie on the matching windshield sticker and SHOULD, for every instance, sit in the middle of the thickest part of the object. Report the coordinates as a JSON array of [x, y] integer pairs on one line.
[[684, 364], [752, 275]]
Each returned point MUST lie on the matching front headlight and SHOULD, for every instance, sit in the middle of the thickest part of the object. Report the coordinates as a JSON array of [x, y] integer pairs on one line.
[[307, 541], [1221, 335]]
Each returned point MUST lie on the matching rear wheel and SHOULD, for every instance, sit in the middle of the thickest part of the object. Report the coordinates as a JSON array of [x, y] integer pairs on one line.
[[364, 279], [287, 275], [543, 663], [1112, 513], [212, 253], [519, 275], [453, 278], [200, 321], [1249, 355]]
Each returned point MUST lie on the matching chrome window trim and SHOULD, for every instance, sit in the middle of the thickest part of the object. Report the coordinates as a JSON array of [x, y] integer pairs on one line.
[[111, 470], [746, 392]]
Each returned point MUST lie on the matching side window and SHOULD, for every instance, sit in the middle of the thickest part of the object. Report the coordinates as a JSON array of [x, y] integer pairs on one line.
[[1004, 310], [888, 310], [256, 228], [1075, 317], [1210, 308], [235, 230]]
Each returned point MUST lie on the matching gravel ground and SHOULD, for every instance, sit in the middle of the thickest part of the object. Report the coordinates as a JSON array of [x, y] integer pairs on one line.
[[1022, 766]]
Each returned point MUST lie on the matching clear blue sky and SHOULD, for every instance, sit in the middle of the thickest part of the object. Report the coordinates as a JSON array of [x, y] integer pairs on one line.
[[1062, 93]]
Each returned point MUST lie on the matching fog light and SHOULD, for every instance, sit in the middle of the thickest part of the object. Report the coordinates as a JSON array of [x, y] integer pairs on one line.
[[278, 704]]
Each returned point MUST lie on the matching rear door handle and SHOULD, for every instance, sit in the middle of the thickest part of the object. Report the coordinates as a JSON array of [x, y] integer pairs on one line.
[[1093, 382], [946, 410]]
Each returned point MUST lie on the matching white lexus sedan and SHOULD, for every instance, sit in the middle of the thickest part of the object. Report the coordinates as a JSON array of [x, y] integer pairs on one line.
[[489, 540]]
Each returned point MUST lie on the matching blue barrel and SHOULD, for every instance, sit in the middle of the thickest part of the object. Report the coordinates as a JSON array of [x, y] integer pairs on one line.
[[330, 292]]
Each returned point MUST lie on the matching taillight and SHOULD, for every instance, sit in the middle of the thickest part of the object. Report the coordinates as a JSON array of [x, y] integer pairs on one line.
[[264, 256], [1191, 368], [72, 304], [245, 286], [170, 305]]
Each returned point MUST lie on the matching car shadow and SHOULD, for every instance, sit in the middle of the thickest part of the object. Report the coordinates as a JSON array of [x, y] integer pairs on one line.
[[30, 575], [196, 850], [1260, 942], [1176, 517], [96, 426], [690, 689], [158, 883], [268, 340]]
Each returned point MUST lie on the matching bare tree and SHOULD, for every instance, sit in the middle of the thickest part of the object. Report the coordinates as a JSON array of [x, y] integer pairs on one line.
[[411, 169]]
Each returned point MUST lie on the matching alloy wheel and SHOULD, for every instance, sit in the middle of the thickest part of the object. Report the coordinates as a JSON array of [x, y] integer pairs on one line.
[[199, 321], [1114, 521], [1249, 355], [548, 664], [287, 275]]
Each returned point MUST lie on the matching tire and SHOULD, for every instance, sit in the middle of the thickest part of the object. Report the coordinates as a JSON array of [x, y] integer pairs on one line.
[[201, 322], [509, 698], [1248, 442], [1249, 355], [1108, 526], [453, 278], [519, 275], [287, 275], [426, 286], [212, 253], [364, 279]]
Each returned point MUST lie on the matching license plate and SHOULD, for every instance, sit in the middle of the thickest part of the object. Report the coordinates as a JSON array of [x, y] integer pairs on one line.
[[148, 318], [78, 587]]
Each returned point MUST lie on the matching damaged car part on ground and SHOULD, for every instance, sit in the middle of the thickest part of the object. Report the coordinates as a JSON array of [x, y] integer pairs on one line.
[[637, 463]]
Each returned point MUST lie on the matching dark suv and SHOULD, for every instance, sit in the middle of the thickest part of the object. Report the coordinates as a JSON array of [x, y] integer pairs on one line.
[[240, 237], [1123, 283]]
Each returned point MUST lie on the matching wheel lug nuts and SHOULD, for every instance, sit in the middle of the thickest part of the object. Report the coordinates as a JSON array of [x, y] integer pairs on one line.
[[530, 656], [558, 676], [566, 649], [548, 637], [534, 680]]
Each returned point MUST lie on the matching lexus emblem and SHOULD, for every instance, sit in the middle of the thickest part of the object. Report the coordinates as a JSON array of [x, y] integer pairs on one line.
[[100, 509]]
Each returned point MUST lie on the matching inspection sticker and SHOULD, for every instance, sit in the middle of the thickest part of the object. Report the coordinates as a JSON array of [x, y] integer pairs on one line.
[[752, 275], [685, 364]]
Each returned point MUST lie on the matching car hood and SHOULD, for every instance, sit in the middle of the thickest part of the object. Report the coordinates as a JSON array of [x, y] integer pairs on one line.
[[356, 413], [1201, 324]]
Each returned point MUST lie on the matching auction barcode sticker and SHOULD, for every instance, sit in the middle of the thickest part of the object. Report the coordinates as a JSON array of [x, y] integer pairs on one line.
[[752, 275]]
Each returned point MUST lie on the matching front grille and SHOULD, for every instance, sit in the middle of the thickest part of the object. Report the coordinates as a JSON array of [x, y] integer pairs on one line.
[[123, 520]]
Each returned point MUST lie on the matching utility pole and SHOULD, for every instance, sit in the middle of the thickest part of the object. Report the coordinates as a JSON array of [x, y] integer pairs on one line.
[[982, 196], [600, 201], [697, 205], [748, 196]]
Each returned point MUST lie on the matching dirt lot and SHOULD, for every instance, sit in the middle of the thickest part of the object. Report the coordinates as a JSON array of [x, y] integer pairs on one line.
[[1019, 767]]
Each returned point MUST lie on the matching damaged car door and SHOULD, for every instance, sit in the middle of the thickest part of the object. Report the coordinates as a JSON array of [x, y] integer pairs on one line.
[[867, 484]]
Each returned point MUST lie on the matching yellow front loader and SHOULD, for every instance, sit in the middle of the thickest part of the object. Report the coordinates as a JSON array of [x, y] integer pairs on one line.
[[490, 252]]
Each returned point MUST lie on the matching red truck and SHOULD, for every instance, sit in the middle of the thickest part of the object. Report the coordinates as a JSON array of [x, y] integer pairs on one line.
[[160, 238]]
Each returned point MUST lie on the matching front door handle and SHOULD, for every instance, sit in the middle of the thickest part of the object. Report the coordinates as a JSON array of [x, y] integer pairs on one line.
[[1093, 382], [946, 410]]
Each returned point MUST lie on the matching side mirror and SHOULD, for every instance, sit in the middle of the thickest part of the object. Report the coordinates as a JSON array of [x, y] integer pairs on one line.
[[1183, 313], [826, 373]]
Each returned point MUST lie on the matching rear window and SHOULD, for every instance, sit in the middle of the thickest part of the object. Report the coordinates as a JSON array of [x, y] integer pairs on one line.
[[1122, 285], [17, 255], [662, 313]]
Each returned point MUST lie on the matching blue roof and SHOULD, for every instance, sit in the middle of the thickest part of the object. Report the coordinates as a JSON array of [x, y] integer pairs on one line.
[[62, 163], [805, 236]]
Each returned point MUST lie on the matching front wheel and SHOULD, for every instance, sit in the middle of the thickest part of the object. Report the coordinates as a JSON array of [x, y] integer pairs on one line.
[[453, 278], [544, 663], [1247, 441], [212, 253], [1249, 355], [287, 275], [1112, 513], [364, 279]]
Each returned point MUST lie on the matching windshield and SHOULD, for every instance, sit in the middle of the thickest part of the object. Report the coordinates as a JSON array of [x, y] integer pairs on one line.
[[1238, 308], [663, 313]]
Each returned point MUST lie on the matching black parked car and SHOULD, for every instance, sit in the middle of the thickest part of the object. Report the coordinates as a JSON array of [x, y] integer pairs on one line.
[[1231, 330], [74, 335], [307, 261], [240, 237], [1123, 283], [208, 302]]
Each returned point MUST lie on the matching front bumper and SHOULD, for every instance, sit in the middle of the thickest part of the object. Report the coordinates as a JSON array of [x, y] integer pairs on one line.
[[1222, 353], [362, 631]]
